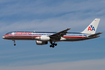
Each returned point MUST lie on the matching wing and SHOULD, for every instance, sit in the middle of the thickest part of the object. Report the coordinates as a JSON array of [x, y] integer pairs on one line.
[[95, 35], [58, 35]]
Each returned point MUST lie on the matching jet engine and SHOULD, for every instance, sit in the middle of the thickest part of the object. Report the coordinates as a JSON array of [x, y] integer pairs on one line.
[[41, 42]]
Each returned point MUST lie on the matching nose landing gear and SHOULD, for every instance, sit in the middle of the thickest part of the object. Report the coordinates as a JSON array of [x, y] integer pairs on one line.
[[14, 43]]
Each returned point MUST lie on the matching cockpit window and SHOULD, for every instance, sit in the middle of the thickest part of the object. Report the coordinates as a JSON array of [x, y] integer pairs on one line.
[[8, 33]]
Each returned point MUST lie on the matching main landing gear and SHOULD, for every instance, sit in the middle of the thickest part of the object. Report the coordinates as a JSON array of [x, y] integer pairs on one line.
[[53, 44], [14, 43]]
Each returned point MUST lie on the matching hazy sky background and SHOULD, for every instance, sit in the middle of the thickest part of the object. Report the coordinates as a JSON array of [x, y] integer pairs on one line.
[[51, 15]]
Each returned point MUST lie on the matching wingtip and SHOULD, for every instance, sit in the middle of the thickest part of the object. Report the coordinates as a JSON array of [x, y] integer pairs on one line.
[[101, 32], [68, 28]]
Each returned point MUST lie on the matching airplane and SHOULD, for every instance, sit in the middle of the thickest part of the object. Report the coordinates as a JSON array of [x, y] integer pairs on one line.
[[42, 38]]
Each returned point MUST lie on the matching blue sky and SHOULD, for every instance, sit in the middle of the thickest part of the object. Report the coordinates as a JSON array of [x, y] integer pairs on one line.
[[51, 15]]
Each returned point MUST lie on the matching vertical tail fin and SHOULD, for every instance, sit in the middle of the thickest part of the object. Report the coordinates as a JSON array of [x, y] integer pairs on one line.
[[91, 29]]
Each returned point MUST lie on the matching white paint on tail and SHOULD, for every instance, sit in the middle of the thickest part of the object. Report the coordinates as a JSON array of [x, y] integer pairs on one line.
[[91, 29]]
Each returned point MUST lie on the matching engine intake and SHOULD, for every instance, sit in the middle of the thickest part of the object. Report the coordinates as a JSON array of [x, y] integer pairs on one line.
[[41, 42]]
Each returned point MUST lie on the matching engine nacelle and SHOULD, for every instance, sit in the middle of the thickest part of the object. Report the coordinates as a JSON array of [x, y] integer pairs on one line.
[[43, 38], [41, 42]]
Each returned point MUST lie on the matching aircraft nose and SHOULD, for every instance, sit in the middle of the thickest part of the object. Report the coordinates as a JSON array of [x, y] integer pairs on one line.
[[3, 37]]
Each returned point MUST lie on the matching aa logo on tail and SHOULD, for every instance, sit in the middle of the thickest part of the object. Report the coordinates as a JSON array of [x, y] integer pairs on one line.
[[91, 28]]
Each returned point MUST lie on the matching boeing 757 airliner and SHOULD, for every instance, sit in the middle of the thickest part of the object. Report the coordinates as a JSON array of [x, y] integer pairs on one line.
[[43, 38]]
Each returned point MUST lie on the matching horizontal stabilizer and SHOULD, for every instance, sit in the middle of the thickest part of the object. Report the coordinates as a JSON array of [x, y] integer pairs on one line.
[[95, 35]]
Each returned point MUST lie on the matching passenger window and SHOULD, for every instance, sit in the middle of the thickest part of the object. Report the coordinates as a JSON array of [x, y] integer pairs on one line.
[[7, 33]]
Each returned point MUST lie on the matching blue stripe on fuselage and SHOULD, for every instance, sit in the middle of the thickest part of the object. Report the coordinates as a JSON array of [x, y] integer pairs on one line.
[[44, 33]]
